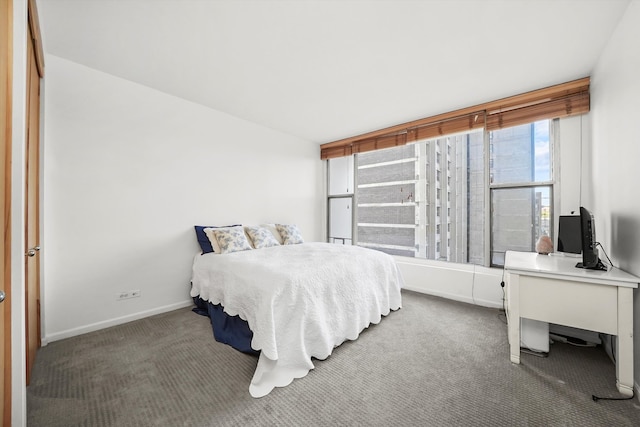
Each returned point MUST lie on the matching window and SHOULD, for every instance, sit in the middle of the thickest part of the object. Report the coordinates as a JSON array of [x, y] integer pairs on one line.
[[386, 199], [340, 192], [521, 188], [403, 205]]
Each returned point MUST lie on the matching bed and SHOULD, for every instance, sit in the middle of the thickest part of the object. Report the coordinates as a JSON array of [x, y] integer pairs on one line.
[[297, 301]]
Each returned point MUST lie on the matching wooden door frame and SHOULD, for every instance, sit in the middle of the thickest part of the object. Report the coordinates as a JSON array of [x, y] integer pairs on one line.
[[10, 34], [35, 70], [32, 213], [6, 99], [36, 36]]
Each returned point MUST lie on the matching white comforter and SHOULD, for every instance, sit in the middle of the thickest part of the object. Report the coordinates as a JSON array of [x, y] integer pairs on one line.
[[300, 301]]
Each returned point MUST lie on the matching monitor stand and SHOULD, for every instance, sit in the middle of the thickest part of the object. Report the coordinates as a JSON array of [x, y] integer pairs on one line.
[[599, 266]]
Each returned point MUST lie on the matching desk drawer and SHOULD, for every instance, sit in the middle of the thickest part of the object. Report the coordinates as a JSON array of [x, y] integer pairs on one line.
[[582, 305]]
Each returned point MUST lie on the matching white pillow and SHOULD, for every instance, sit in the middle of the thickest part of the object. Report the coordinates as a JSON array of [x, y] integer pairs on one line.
[[290, 234], [273, 230], [261, 237], [231, 239]]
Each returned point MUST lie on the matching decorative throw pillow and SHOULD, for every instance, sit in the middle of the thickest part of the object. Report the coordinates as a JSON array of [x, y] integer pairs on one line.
[[261, 237], [212, 238], [290, 234], [203, 240], [215, 247], [231, 239], [273, 230]]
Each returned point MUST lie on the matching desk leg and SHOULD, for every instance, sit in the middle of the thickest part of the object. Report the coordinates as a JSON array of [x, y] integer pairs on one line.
[[624, 344], [513, 312]]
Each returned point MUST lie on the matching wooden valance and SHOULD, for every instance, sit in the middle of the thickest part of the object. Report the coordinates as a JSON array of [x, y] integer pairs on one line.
[[563, 100]]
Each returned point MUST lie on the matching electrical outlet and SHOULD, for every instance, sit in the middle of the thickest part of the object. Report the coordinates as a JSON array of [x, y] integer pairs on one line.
[[128, 294], [122, 295]]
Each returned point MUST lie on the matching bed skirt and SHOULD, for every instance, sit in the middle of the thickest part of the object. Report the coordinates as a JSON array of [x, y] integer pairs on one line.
[[231, 330]]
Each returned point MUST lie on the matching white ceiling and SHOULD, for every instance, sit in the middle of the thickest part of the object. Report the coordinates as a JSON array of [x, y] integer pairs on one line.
[[326, 70]]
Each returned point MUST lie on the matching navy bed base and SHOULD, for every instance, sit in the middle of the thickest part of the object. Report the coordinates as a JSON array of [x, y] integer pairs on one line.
[[231, 330]]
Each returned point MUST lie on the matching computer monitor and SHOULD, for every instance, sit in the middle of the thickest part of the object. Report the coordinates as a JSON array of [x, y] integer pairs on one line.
[[590, 258], [569, 235]]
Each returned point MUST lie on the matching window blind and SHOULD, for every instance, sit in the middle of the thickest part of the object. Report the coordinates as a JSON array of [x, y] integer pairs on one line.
[[563, 100]]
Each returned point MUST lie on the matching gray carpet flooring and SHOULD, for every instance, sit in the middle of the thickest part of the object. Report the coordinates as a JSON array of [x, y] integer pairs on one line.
[[435, 362]]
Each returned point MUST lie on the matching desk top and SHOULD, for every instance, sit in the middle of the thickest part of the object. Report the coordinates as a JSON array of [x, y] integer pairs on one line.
[[558, 265]]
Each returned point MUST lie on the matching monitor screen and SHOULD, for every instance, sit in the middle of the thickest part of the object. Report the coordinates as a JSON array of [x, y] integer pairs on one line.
[[569, 234], [589, 251]]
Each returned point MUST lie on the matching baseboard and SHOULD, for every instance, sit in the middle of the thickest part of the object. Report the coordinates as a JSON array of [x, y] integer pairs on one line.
[[113, 322], [486, 303], [425, 291], [454, 297]]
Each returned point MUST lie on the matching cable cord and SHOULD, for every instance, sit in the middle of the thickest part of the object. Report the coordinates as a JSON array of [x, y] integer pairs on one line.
[[503, 312], [605, 254], [504, 297], [570, 341], [596, 398], [613, 354]]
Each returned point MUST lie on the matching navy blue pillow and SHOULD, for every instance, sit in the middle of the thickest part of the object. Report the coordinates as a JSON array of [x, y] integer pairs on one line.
[[203, 240]]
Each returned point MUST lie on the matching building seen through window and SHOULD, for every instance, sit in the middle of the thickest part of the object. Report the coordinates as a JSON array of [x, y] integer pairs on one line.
[[428, 199]]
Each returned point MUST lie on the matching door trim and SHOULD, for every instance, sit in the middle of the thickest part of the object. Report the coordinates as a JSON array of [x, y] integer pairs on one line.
[[33, 327], [6, 117]]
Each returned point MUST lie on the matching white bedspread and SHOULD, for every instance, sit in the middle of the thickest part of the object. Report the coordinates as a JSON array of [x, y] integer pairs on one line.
[[300, 301]]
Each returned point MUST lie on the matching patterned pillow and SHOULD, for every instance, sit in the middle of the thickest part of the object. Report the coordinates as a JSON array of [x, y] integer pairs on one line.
[[290, 234], [273, 230], [261, 237], [215, 247], [231, 239], [206, 242]]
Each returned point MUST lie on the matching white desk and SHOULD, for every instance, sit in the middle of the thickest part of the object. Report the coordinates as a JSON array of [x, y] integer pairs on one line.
[[551, 289]]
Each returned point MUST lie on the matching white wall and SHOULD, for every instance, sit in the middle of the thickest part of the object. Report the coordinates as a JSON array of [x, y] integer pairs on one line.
[[572, 161], [615, 90], [128, 172]]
